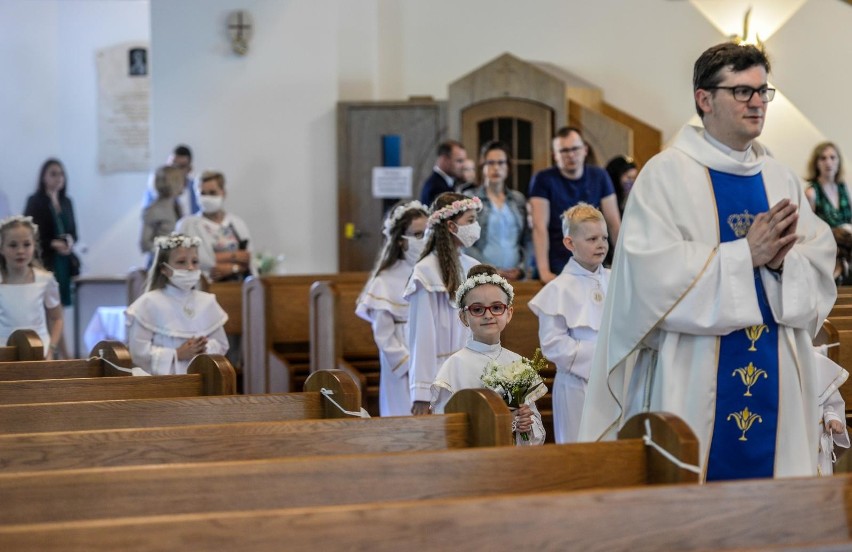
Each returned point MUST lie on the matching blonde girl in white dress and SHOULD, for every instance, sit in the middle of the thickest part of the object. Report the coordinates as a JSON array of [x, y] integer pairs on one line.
[[29, 295]]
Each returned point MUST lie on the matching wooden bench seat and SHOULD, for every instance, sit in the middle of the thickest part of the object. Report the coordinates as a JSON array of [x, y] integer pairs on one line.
[[101, 363], [785, 514], [71, 495], [276, 329], [207, 375], [476, 417], [138, 413]]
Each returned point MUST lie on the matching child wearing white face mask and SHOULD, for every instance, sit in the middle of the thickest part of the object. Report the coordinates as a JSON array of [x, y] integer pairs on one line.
[[434, 329], [172, 322], [225, 249], [382, 304]]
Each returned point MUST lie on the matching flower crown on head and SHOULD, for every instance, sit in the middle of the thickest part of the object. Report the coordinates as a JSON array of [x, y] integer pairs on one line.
[[453, 209], [176, 240], [482, 279], [398, 213], [14, 219]]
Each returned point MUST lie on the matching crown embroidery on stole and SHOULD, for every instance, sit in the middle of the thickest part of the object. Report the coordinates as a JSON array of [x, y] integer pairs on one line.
[[740, 223]]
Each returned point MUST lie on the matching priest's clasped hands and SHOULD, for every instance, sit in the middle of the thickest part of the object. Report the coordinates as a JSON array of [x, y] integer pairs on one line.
[[773, 234]]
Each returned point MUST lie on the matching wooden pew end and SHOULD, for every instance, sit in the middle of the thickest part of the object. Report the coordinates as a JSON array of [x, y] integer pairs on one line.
[[490, 419], [116, 353], [672, 434], [28, 343], [218, 374], [346, 391]]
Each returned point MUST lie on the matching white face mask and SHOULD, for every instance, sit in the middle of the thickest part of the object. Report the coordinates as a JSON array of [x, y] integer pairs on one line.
[[415, 248], [468, 234], [211, 204], [184, 279]]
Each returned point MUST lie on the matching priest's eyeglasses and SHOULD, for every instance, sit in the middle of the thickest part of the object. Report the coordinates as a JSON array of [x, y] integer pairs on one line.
[[478, 309], [744, 93]]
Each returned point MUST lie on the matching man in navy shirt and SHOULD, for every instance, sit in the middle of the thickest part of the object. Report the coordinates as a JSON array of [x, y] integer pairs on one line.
[[448, 168], [554, 190]]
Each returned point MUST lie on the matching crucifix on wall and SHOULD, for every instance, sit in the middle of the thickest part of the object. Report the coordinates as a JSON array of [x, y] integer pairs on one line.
[[240, 29]]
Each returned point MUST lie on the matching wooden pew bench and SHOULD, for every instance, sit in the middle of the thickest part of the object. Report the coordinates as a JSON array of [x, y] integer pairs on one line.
[[72, 495], [789, 514], [276, 330], [100, 363], [22, 345], [138, 413], [475, 418], [207, 375]]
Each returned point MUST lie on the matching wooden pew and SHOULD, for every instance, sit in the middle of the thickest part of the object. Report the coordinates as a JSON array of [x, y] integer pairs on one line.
[[477, 418], [783, 514], [276, 329], [22, 345], [96, 366], [207, 375], [138, 413], [72, 495]]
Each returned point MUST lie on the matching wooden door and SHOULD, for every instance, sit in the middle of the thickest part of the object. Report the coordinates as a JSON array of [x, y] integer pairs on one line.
[[526, 127], [361, 126]]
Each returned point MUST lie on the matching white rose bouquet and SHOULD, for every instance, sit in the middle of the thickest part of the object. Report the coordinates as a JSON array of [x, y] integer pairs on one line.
[[517, 382]]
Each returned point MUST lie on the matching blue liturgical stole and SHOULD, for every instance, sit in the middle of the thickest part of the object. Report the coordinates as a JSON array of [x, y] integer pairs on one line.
[[747, 388]]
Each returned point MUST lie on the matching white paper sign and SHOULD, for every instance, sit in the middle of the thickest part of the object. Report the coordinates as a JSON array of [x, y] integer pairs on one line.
[[392, 181], [123, 103]]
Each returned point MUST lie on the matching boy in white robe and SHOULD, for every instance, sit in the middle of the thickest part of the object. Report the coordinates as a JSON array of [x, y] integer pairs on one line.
[[485, 300], [569, 310]]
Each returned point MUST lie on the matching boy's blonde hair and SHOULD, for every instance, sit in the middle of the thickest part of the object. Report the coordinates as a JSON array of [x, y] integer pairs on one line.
[[582, 212]]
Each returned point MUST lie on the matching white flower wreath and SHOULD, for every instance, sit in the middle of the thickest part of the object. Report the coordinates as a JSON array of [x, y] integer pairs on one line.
[[481, 279], [453, 209], [15, 219], [176, 240], [398, 213]]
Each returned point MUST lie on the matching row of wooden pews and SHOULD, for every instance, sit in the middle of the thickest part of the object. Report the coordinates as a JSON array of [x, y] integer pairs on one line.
[[373, 483]]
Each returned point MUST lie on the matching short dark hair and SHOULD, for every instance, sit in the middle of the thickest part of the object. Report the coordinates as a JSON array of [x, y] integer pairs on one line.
[[565, 131], [183, 151], [445, 148], [739, 57], [492, 145]]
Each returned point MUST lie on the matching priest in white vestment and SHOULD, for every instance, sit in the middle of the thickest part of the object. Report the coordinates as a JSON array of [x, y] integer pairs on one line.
[[687, 306]]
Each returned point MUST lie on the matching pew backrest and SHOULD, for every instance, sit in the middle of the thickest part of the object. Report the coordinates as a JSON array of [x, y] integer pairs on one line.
[[69, 495], [22, 345], [102, 362]]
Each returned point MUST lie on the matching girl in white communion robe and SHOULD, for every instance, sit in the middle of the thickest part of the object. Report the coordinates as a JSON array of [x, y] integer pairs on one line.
[[172, 322]]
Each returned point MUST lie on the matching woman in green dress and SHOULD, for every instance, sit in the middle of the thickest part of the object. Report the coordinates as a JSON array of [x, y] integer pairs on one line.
[[826, 190]]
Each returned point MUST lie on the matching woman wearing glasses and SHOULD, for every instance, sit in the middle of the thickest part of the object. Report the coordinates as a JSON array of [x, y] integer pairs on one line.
[[503, 219]]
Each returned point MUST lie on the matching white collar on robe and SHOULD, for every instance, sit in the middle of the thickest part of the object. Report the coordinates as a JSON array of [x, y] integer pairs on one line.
[[573, 267], [385, 291], [491, 351], [697, 144], [177, 313]]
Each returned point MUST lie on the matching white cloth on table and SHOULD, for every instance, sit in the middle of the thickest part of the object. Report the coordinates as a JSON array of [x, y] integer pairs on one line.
[[108, 323], [675, 289], [464, 370], [435, 331], [569, 310], [22, 306], [161, 320], [383, 306]]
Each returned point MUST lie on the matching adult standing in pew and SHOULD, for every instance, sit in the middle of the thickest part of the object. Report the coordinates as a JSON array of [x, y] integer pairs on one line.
[[172, 322], [446, 173], [52, 211], [435, 331], [383, 306], [485, 306], [723, 277], [225, 250], [29, 295]]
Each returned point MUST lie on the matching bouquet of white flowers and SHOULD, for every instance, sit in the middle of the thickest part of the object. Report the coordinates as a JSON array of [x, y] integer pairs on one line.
[[517, 382]]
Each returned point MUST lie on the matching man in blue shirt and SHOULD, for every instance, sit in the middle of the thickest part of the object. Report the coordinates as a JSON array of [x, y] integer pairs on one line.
[[554, 190]]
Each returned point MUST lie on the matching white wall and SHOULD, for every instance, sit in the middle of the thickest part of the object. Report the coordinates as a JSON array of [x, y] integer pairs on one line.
[[48, 107], [268, 119]]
